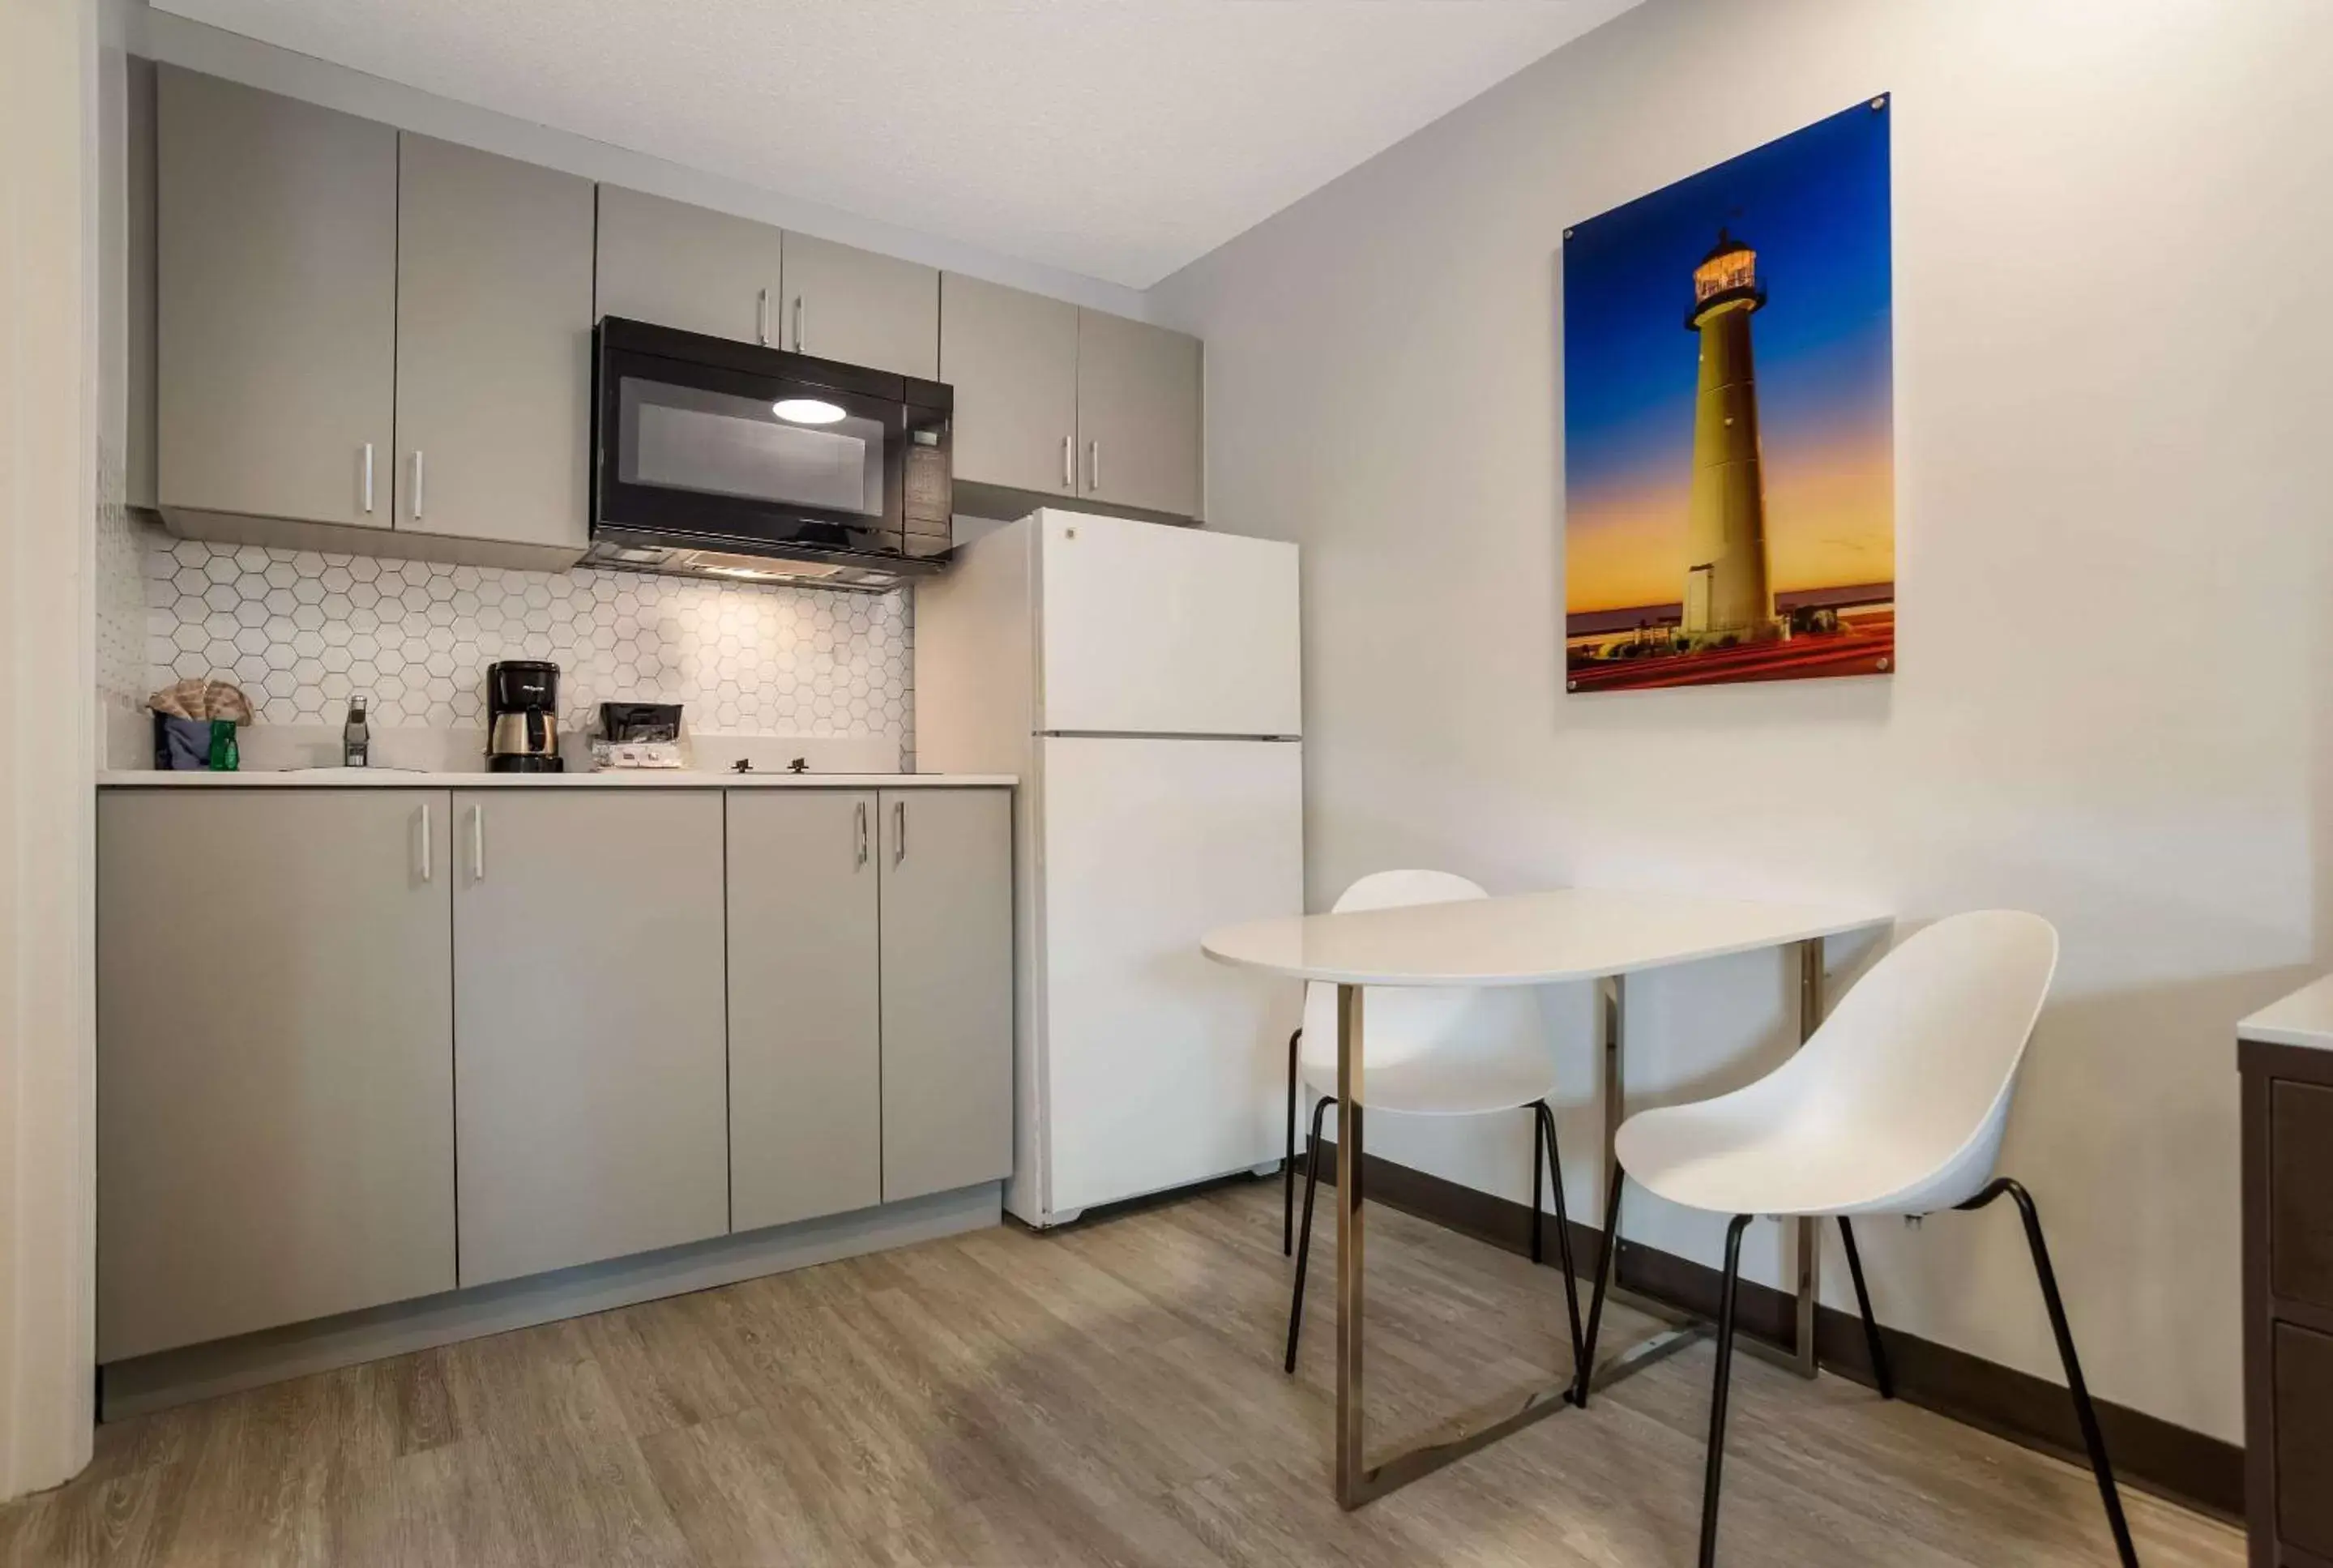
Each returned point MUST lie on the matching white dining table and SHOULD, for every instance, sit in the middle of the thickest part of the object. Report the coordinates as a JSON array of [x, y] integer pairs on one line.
[[1543, 938]]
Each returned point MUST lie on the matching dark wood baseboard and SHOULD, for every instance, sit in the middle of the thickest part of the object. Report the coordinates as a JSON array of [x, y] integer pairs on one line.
[[2149, 1453]]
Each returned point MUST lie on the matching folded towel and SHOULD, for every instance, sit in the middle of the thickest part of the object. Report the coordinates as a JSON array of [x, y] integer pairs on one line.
[[198, 697]]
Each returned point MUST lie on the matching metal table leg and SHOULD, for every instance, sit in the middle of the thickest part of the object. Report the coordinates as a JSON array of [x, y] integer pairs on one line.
[[1800, 1354], [1357, 1480], [1678, 1329], [1352, 1476], [1809, 1247]]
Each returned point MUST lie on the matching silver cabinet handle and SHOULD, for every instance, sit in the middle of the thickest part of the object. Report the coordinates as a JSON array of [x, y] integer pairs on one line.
[[368, 478], [1068, 462], [762, 319], [1093, 467], [898, 832], [477, 843], [862, 833], [416, 484], [798, 325], [429, 871]]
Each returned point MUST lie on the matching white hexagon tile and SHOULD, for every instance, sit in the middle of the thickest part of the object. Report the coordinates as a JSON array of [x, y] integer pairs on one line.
[[301, 632], [120, 601]]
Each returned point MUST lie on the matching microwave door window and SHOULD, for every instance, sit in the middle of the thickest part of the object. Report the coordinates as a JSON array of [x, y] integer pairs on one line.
[[717, 444]]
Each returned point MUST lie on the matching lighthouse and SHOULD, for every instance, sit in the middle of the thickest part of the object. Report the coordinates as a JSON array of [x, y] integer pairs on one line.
[[1727, 593]]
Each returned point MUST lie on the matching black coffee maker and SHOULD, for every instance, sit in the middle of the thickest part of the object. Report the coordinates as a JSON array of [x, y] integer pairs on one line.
[[523, 717]]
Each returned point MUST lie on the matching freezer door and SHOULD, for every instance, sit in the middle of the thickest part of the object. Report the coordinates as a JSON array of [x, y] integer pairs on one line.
[[1150, 629], [1163, 1068]]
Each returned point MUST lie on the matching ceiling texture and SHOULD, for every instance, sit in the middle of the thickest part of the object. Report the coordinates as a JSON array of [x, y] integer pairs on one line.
[[1119, 138]]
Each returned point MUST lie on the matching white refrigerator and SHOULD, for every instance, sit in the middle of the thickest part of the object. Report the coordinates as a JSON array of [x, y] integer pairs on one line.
[[1142, 680]]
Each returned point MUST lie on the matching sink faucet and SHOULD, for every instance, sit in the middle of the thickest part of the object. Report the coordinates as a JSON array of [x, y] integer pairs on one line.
[[356, 737]]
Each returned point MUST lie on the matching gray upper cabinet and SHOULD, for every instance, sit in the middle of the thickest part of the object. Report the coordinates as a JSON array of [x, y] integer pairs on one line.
[[138, 280], [805, 1028], [276, 235], [589, 1058], [1139, 416], [1012, 359], [861, 308], [946, 858], [276, 1094], [494, 347], [690, 267], [355, 326]]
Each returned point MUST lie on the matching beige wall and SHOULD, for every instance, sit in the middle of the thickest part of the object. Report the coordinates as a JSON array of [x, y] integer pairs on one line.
[[47, 499], [2111, 223]]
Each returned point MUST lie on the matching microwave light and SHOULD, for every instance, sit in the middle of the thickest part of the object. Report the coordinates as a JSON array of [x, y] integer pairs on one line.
[[766, 570], [807, 410]]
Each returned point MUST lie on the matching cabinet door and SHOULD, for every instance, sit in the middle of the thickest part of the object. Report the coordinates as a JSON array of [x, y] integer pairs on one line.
[[947, 989], [276, 279], [589, 1059], [275, 1072], [805, 1055], [686, 266], [2301, 1193], [1137, 415], [863, 309], [2304, 1436], [494, 347], [1012, 359]]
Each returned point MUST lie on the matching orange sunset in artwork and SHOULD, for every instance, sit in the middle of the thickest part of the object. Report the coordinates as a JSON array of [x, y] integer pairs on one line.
[[1728, 425]]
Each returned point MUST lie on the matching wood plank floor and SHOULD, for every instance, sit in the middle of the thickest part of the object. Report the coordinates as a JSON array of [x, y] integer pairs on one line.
[[1107, 1395]]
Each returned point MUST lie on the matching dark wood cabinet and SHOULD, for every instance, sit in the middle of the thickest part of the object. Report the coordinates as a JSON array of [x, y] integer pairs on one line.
[[2304, 1437], [2288, 1183], [2300, 1192]]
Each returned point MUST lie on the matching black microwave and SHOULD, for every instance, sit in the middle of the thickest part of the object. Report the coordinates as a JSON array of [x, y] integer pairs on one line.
[[715, 458]]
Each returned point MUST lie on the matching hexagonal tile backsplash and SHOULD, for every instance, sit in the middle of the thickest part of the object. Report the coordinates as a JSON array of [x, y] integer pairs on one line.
[[301, 632]]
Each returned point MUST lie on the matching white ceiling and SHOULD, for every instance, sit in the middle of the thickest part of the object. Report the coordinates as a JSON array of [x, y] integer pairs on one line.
[[1119, 139]]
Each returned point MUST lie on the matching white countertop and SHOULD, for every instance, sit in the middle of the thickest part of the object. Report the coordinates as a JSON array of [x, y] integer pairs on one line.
[[1523, 940], [636, 778], [2304, 1018]]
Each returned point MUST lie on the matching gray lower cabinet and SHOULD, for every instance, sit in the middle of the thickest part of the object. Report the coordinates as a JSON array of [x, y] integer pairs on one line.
[[361, 1045], [494, 347], [276, 308], [863, 309], [1139, 416], [589, 1061], [275, 1065], [690, 267], [805, 1007], [1012, 359], [947, 859]]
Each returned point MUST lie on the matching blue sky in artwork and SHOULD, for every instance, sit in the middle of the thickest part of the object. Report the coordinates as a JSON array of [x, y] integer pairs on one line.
[[1814, 205]]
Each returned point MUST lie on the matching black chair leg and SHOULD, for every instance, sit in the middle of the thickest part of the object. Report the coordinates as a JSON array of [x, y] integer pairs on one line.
[[1881, 1373], [2084, 1412], [1537, 1108], [1304, 1236], [1562, 1225], [1288, 1165], [1606, 1268], [1727, 1290]]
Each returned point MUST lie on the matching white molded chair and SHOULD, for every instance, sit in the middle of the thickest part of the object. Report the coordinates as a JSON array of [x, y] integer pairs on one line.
[[1895, 1106], [1428, 1050]]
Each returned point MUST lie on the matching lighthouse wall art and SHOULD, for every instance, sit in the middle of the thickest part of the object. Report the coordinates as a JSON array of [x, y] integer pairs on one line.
[[1729, 474]]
